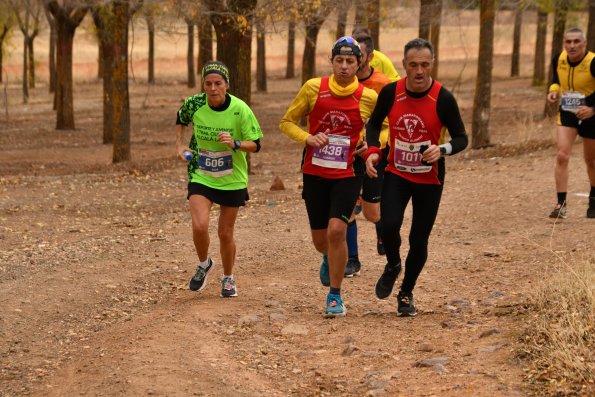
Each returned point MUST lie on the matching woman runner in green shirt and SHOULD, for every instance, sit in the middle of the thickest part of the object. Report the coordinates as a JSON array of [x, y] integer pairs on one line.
[[224, 131]]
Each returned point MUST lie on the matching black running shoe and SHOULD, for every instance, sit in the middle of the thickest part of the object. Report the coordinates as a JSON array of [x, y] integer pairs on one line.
[[353, 267], [405, 307], [384, 285], [380, 247], [199, 280], [591, 209]]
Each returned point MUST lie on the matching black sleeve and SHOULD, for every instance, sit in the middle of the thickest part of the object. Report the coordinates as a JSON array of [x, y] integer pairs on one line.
[[450, 117], [386, 97], [178, 121], [590, 100], [556, 78]]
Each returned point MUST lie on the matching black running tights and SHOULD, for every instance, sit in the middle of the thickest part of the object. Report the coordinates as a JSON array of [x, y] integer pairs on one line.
[[396, 193]]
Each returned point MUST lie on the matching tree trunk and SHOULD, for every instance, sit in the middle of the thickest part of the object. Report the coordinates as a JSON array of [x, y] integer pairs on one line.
[[67, 20], [309, 57], [261, 70], [25, 70], [374, 21], [361, 15], [190, 54], [435, 25], [539, 62], [151, 60], [516, 42], [483, 87], [234, 42], [205, 41], [290, 70], [121, 100], [425, 16], [3, 35], [103, 21], [591, 27], [551, 109], [31, 57], [342, 11], [52, 58]]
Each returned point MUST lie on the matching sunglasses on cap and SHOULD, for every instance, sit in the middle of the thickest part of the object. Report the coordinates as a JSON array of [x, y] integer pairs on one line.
[[347, 41]]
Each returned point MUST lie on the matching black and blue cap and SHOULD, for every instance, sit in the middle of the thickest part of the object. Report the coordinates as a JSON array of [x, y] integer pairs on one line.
[[215, 67], [346, 45]]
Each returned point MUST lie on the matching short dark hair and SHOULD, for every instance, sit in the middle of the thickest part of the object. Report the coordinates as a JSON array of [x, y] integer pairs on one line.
[[367, 40], [418, 44]]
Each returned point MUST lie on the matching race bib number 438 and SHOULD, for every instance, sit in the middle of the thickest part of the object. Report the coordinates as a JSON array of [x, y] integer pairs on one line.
[[216, 163], [333, 155]]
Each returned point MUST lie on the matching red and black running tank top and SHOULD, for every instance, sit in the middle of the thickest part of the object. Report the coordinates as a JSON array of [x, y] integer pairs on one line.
[[341, 120], [413, 123]]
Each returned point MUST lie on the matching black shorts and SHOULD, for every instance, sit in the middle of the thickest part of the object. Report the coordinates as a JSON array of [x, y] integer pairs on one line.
[[372, 187], [226, 198], [329, 198], [586, 128]]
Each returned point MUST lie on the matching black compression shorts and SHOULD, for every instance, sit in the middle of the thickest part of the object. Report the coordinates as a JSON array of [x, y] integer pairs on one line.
[[586, 128], [329, 198], [372, 187]]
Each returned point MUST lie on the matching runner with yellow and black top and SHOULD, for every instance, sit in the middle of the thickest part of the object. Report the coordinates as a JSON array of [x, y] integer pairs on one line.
[[336, 108], [574, 86]]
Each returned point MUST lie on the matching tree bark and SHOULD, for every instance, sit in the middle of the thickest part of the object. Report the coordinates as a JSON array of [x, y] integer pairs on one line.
[[516, 42], [483, 87], [539, 61], [67, 20], [233, 26], [261, 69], [25, 68], [121, 100], [151, 27], [435, 25], [205, 41], [342, 12], [425, 16], [3, 35], [551, 109], [290, 70], [190, 54], [31, 57], [361, 16], [309, 58], [591, 26], [374, 21], [103, 19]]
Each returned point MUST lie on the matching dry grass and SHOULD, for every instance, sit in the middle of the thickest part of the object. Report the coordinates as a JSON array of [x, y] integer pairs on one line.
[[558, 341]]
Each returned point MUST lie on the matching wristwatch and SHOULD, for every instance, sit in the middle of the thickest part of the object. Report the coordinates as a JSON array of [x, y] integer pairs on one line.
[[236, 144], [442, 151]]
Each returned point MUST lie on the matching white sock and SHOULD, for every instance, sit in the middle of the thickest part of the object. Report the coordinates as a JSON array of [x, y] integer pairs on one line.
[[204, 264]]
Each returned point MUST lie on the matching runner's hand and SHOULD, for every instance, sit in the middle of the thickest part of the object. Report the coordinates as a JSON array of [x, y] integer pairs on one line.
[[361, 149], [371, 162], [431, 154], [226, 139], [585, 112], [552, 97], [318, 140]]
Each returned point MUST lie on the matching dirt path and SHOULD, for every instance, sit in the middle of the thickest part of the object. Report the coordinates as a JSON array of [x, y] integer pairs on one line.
[[95, 259]]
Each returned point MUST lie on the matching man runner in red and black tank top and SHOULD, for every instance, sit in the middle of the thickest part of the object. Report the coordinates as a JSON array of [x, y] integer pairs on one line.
[[418, 109]]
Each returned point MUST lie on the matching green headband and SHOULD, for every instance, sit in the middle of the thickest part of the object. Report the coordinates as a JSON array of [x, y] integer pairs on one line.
[[215, 67]]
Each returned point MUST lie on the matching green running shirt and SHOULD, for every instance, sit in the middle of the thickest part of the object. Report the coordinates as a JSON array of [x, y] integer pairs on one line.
[[237, 119]]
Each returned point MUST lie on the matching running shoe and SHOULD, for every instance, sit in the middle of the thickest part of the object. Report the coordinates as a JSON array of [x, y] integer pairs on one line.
[[380, 247], [353, 267], [384, 285], [559, 211], [228, 287], [334, 306], [405, 307], [199, 280], [325, 278], [591, 209]]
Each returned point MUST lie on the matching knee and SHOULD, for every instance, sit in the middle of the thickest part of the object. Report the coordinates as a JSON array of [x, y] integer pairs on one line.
[[200, 227], [225, 235], [562, 157], [336, 235]]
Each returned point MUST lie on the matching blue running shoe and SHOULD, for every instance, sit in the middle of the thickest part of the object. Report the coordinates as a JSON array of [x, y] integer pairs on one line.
[[325, 278], [334, 306]]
